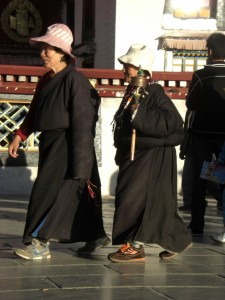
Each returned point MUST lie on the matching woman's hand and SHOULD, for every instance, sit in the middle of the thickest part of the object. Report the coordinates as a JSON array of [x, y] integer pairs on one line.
[[13, 147]]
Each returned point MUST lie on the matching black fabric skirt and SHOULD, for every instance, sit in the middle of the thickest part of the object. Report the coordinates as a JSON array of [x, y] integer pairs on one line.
[[59, 207], [146, 201]]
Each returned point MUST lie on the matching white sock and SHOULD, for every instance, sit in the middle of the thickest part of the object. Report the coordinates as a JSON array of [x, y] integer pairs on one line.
[[136, 244]]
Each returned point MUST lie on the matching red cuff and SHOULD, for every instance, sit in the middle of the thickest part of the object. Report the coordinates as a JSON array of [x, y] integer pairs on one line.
[[21, 134]]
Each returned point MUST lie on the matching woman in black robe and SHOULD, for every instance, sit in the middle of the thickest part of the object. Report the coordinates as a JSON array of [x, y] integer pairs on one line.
[[65, 203], [146, 191]]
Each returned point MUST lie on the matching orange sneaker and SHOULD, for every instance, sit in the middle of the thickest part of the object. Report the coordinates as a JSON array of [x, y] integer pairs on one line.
[[128, 253]]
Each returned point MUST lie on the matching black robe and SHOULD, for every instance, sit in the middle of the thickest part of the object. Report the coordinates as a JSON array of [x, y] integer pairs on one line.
[[65, 111], [146, 192]]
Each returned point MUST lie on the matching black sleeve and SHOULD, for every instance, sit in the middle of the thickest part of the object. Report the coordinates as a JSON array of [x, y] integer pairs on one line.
[[157, 116], [194, 93], [84, 115]]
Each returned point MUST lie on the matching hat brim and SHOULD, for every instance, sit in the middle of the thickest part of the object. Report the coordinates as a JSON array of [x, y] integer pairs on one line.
[[125, 59], [137, 60], [53, 42]]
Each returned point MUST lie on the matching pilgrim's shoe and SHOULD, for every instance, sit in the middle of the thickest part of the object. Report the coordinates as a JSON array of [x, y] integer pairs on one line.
[[169, 255], [91, 246], [128, 253], [36, 250]]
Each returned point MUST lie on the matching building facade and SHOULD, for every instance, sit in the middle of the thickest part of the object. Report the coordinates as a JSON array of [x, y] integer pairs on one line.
[[176, 30], [104, 29]]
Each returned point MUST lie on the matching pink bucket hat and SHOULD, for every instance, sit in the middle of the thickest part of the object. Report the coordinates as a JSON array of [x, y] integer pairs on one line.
[[57, 35]]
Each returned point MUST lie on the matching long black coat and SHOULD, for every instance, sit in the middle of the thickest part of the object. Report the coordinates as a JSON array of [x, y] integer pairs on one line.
[[65, 111], [146, 192]]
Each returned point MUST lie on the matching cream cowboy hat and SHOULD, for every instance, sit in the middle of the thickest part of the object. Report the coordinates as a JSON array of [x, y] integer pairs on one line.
[[138, 55], [57, 35]]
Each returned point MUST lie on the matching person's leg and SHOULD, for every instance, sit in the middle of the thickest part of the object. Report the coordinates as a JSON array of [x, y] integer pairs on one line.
[[214, 189], [200, 152], [220, 237], [186, 184]]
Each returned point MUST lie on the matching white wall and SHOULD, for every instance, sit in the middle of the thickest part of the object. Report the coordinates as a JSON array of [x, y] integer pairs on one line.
[[17, 180], [109, 170], [120, 23], [137, 22]]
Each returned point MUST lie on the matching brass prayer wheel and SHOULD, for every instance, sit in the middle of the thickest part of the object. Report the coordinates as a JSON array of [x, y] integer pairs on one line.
[[139, 81]]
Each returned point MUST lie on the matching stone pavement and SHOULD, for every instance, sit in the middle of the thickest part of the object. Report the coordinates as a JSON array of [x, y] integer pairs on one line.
[[198, 273]]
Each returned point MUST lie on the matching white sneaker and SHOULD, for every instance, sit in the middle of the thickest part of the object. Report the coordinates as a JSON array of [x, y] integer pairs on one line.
[[37, 250], [219, 237]]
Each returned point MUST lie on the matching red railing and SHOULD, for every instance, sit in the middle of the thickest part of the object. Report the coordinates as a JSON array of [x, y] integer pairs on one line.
[[109, 83]]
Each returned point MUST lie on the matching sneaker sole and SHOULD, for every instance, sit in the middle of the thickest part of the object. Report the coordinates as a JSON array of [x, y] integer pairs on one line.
[[133, 260], [167, 255], [33, 258]]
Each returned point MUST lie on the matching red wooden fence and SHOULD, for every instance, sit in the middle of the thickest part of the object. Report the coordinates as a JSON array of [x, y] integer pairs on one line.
[[109, 83]]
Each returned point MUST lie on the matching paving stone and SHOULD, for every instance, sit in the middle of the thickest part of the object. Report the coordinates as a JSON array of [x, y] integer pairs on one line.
[[88, 294], [184, 293], [198, 273]]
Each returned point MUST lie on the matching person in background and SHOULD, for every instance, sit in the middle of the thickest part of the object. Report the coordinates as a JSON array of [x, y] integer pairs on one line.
[[147, 127], [212, 188], [206, 99], [185, 154], [220, 237], [65, 203]]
